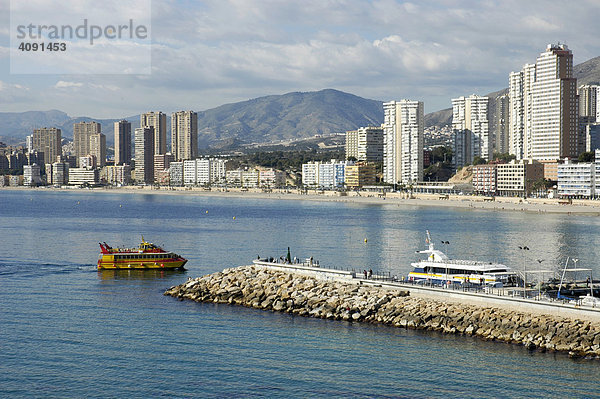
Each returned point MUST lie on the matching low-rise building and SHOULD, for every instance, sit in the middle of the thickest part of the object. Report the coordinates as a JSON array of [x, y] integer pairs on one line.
[[324, 174], [190, 174], [118, 175], [83, 176], [551, 169], [484, 179], [271, 178], [176, 174], [576, 180], [57, 173], [15, 180], [161, 164], [517, 178], [32, 175], [310, 174], [250, 178], [359, 175], [203, 171], [234, 177]]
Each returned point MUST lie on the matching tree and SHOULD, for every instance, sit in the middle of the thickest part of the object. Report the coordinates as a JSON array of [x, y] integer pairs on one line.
[[479, 161], [587, 157], [441, 154]]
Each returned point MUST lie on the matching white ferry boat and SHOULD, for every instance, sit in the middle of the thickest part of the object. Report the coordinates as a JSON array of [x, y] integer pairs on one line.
[[439, 269]]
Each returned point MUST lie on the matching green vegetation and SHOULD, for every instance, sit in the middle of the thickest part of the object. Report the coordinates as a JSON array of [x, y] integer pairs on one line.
[[441, 167], [479, 161], [285, 160], [587, 157]]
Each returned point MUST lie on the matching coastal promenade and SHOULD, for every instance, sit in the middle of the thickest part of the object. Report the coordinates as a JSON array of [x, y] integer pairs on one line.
[[531, 205], [340, 295]]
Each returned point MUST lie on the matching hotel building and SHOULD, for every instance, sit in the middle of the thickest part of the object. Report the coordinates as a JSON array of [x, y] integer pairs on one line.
[[365, 144], [403, 141], [82, 132], [471, 130], [543, 108], [48, 141], [122, 143], [98, 148], [184, 135], [144, 155], [158, 121]]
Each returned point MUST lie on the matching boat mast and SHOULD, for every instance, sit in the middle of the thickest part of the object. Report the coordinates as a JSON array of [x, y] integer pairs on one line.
[[429, 241], [562, 278]]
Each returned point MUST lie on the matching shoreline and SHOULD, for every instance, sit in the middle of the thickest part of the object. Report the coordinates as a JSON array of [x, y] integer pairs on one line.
[[514, 204]]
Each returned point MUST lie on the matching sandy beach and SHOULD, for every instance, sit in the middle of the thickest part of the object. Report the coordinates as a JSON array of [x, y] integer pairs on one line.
[[534, 205]]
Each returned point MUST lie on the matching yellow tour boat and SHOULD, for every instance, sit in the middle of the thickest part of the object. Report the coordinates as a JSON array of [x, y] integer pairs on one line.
[[147, 256]]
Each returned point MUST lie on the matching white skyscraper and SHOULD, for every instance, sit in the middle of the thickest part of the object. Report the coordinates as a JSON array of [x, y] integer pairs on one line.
[[471, 129], [589, 96], [403, 128], [520, 100], [543, 108], [184, 135], [554, 127], [144, 155]]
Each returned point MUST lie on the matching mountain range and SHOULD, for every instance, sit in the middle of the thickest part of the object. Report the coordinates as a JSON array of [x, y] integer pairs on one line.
[[272, 118], [290, 116]]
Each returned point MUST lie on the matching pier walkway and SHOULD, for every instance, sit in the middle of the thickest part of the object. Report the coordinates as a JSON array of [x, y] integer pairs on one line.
[[510, 298]]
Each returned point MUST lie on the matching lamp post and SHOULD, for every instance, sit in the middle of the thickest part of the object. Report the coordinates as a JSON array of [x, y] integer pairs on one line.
[[540, 282], [524, 248], [446, 243]]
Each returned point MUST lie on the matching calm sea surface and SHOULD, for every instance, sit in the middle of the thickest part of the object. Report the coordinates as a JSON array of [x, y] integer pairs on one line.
[[67, 330]]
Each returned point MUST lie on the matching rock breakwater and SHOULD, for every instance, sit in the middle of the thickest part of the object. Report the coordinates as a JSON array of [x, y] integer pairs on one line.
[[262, 288]]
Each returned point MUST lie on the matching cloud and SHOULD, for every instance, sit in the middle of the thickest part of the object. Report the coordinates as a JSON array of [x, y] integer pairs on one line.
[[537, 23], [11, 93], [208, 53], [61, 84]]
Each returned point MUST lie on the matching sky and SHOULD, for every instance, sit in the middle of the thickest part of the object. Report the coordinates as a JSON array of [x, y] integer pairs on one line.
[[207, 53]]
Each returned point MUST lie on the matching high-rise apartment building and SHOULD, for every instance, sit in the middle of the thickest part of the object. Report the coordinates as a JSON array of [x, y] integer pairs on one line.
[[158, 121], [365, 144], [48, 141], [403, 128], [184, 135], [122, 143], [470, 127], [81, 137], [543, 108], [98, 148], [519, 111], [502, 125], [589, 97], [554, 124], [144, 155]]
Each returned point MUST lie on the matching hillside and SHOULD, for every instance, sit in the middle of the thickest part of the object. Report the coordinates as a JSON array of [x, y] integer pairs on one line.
[[588, 72], [260, 120], [289, 116]]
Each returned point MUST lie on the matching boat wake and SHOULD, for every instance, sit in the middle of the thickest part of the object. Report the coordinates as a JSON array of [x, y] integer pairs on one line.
[[33, 269]]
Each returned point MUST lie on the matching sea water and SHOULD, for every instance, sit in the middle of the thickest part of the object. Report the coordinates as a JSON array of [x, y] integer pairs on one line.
[[67, 330]]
